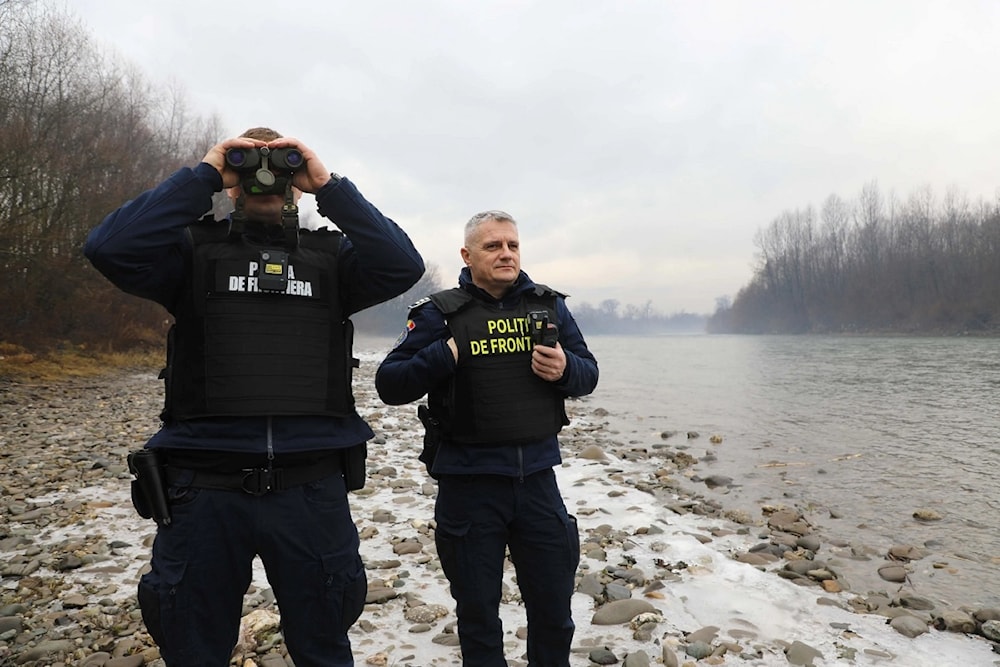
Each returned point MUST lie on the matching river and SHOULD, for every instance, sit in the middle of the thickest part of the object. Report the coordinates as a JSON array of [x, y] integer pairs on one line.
[[870, 428]]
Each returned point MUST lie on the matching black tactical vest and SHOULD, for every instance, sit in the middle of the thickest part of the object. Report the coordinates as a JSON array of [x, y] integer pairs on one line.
[[494, 396], [246, 345]]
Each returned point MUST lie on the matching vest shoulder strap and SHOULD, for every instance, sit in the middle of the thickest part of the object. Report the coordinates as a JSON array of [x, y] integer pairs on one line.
[[208, 230], [449, 301], [321, 239], [546, 291]]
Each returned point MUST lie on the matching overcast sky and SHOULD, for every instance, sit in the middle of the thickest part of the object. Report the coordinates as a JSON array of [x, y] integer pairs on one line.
[[640, 145]]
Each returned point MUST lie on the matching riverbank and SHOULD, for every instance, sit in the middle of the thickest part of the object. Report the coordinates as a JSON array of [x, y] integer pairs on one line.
[[667, 574]]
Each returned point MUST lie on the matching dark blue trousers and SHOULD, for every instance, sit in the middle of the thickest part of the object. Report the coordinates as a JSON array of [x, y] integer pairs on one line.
[[478, 518], [192, 598]]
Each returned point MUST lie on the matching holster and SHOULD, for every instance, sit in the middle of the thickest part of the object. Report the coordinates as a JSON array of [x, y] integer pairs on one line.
[[149, 488], [354, 466], [432, 437]]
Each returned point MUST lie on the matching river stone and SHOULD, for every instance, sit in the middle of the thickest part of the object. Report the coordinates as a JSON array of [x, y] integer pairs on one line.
[[602, 656], [809, 542], [991, 630], [755, 559], [981, 615], [446, 639], [955, 621], [801, 654], [590, 584], [19, 569], [425, 613], [407, 547], [46, 649], [698, 650], [893, 573], [594, 453], [380, 595], [617, 592], [707, 634], [715, 481], [621, 611], [637, 659], [10, 623], [905, 552], [136, 660], [908, 626], [916, 602]]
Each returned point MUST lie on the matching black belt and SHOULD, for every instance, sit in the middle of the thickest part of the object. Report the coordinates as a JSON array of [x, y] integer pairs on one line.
[[255, 481]]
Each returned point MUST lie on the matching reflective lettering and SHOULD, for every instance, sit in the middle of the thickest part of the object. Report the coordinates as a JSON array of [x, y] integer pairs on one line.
[[510, 325], [249, 283]]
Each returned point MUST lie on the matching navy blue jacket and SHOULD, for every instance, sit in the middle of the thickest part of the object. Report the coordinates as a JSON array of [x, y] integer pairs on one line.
[[422, 362], [141, 249]]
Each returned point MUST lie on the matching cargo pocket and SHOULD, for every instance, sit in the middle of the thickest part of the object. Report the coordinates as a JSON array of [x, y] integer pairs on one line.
[[157, 596], [450, 538], [346, 589]]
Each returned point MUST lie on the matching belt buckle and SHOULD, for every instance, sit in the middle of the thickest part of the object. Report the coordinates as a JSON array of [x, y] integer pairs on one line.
[[259, 481]]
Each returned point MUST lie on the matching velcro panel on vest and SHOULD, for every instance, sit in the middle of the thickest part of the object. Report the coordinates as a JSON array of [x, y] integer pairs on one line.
[[251, 369], [508, 404]]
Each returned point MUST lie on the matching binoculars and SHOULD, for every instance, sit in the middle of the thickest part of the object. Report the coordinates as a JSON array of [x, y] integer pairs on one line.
[[258, 166]]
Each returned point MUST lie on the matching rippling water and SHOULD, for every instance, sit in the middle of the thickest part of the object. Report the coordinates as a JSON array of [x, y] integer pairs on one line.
[[872, 428]]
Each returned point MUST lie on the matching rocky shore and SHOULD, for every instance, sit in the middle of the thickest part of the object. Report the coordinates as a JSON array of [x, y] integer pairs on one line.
[[667, 575]]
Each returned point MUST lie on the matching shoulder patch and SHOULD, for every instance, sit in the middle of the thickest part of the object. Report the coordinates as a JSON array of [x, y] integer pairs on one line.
[[410, 326]]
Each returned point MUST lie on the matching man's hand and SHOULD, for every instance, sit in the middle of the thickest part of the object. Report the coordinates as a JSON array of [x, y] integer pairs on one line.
[[216, 156], [548, 363], [314, 175]]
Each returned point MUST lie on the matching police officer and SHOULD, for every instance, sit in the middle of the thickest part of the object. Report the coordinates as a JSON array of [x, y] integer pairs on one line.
[[494, 408], [260, 438]]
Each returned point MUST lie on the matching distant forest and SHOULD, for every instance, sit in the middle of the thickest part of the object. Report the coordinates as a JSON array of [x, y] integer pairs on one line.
[[610, 317], [876, 264]]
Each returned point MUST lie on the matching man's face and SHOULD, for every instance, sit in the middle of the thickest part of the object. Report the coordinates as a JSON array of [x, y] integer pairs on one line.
[[494, 257], [262, 208]]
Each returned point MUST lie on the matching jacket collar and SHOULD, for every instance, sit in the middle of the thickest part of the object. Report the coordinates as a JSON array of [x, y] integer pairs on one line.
[[521, 285]]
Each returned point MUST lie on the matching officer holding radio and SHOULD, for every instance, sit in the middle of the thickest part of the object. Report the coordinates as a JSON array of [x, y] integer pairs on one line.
[[260, 440], [496, 357]]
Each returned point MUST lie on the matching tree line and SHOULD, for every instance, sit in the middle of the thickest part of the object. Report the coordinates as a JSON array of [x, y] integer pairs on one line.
[[611, 317], [80, 133], [923, 264]]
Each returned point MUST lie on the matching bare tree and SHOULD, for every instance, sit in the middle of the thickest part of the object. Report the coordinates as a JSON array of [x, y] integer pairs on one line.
[[79, 134]]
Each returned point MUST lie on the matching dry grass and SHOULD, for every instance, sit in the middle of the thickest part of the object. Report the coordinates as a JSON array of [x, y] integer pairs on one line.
[[17, 363]]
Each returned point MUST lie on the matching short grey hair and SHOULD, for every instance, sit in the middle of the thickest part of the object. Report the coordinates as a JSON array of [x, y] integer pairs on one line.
[[479, 218]]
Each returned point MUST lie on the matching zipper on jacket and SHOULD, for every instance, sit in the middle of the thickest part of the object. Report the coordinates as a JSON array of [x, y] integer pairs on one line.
[[520, 463]]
